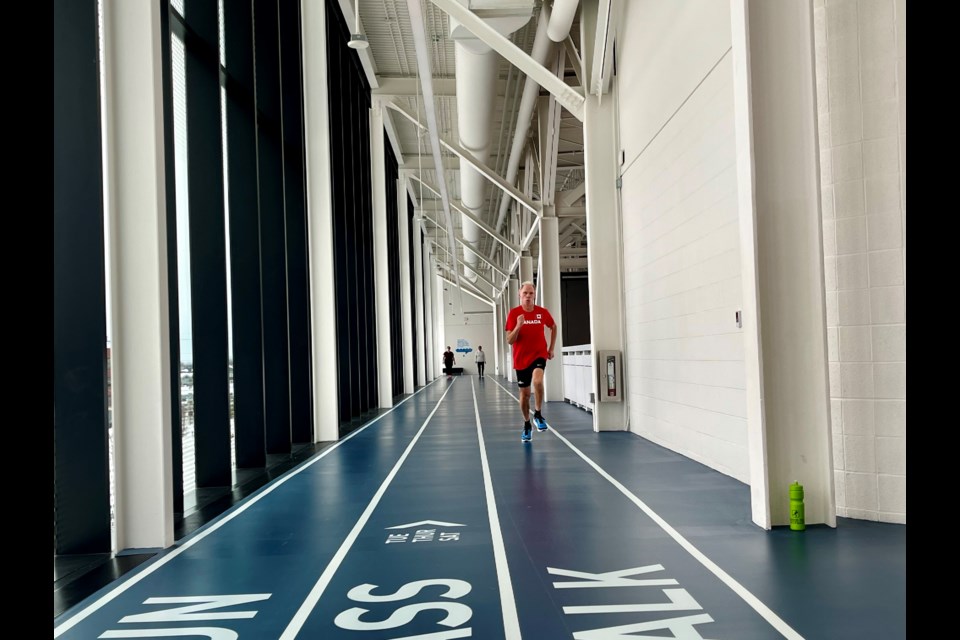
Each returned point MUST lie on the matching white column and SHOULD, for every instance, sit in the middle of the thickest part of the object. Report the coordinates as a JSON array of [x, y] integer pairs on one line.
[[497, 334], [381, 270], [136, 211], [513, 299], [428, 338], [604, 257], [404, 245], [440, 316], [549, 287], [323, 354], [784, 317], [421, 333], [526, 269]]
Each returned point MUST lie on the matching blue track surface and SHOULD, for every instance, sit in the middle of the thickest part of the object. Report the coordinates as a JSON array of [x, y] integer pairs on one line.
[[390, 534]]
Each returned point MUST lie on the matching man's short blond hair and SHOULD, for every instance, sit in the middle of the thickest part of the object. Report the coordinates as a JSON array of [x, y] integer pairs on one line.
[[527, 282]]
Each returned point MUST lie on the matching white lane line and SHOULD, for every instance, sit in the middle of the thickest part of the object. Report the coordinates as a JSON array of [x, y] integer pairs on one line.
[[736, 587], [113, 593], [508, 603], [300, 617]]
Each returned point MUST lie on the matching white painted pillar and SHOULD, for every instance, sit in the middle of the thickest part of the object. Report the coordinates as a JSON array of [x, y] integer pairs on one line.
[[549, 287], [421, 373], [136, 211], [404, 245], [316, 116], [526, 268], [497, 334], [784, 317], [440, 316], [513, 299], [429, 341], [381, 270], [604, 257]]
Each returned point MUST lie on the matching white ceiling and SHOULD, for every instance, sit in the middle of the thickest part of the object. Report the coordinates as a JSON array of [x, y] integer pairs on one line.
[[391, 66]]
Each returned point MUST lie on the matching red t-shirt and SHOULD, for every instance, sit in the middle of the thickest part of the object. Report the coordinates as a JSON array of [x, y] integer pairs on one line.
[[531, 342]]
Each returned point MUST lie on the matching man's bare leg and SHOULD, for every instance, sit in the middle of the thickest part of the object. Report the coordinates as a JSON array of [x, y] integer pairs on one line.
[[525, 403], [538, 388]]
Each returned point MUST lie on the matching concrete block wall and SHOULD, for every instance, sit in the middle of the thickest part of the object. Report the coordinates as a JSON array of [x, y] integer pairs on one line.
[[861, 95], [682, 283]]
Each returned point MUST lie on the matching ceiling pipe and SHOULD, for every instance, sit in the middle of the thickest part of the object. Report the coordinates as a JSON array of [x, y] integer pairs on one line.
[[476, 69], [561, 19], [542, 47]]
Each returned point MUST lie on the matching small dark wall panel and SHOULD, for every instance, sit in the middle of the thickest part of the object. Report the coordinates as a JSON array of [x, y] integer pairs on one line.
[[81, 489], [294, 180], [575, 301], [245, 296], [208, 257], [272, 229]]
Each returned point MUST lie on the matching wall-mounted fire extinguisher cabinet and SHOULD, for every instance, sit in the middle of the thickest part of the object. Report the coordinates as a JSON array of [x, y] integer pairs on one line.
[[610, 372]]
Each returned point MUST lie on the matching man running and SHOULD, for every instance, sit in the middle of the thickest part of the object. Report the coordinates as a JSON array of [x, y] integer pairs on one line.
[[525, 333]]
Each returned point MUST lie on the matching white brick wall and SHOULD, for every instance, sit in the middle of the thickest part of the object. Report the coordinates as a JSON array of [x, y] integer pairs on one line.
[[861, 86], [684, 354]]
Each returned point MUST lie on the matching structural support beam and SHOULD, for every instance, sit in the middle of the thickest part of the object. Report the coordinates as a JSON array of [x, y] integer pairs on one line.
[[480, 223], [409, 87], [566, 95], [571, 52], [596, 41], [481, 168], [470, 290], [417, 22]]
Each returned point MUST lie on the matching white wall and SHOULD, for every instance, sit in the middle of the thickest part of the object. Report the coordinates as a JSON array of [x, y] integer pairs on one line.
[[684, 353], [861, 95], [478, 329]]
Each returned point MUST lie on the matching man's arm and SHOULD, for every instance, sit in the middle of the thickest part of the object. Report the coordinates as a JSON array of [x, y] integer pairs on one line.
[[512, 334], [553, 339]]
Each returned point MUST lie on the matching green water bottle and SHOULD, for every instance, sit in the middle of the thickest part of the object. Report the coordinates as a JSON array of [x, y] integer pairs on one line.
[[796, 507]]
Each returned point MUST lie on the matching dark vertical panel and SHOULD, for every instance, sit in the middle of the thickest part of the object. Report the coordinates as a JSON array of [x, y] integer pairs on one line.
[[272, 228], [298, 298], [393, 255], [413, 235], [575, 302], [169, 158], [335, 82], [208, 257], [371, 380], [355, 231], [81, 490], [353, 216], [244, 237]]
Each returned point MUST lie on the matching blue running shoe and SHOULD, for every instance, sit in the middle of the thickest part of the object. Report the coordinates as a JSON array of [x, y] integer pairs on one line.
[[527, 434], [540, 422]]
